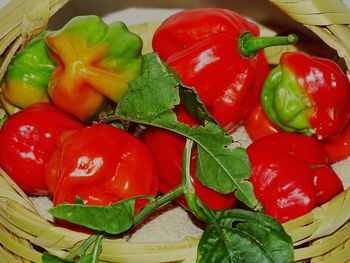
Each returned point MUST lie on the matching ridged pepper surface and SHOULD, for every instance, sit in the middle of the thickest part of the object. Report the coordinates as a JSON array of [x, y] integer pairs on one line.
[[306, 94], [95, 61]]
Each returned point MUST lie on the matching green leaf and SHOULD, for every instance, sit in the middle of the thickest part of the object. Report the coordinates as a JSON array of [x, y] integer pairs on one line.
[[48, 258], [195, 107], [235, 235], [150, 100], [221, 168], [244, 236], [112, 219], [151, 94]]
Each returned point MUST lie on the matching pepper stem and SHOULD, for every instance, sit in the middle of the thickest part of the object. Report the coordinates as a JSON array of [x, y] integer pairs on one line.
[[249, 45]]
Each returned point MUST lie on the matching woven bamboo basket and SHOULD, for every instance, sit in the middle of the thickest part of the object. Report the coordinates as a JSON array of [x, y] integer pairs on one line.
[[322, 235]]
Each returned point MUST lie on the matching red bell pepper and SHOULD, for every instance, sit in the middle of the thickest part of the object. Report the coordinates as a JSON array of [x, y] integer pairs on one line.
[[327, 183], [27, 141], [338, 147], [291, 174], [217, 52], [167, 148], [102, 165], [307, 94], [257, 124]]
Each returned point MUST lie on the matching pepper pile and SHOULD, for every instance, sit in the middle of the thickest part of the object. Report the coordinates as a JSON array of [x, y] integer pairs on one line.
[[81, 69], [206, 48], [209, 74]]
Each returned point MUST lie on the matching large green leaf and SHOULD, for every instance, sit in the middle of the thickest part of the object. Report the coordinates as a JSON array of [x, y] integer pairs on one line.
[[150, 100], [112, 219], [245, 236]]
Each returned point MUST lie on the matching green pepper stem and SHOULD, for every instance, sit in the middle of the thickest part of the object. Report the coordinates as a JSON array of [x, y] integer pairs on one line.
[[249, 45], [174, 193], [78, 253], [197, 207], [189, 191], [158, 202]]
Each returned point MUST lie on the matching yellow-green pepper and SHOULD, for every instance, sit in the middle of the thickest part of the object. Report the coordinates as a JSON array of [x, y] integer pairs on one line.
[[95, 61], [26, 78]]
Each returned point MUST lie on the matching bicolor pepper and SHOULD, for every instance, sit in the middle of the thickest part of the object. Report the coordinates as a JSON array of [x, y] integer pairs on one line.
[[167, 148], [307, 94], [26, 78], [291, 174], [95, 61], [219, 53], [102, 165]]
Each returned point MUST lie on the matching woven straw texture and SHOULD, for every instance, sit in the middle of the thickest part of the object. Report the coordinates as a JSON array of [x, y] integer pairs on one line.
[[320, 236]]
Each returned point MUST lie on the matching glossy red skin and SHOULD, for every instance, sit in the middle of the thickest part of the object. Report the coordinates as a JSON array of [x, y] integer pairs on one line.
[[327, 183], [27, 141], [297, 160], [282, 184], [258, 125], [167, 148], [310, 151], [103, 165], [329, 92], [304, 148], [52, 174], [338, 147], [201, 46]]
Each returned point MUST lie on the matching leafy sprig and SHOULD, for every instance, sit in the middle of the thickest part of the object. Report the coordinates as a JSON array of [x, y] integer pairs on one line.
[[231, 235], [235, 235], [150, 100]]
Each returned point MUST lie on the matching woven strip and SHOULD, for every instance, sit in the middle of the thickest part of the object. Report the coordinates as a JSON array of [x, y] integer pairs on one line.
[[340, 254], [316, 12], [35, 19]]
